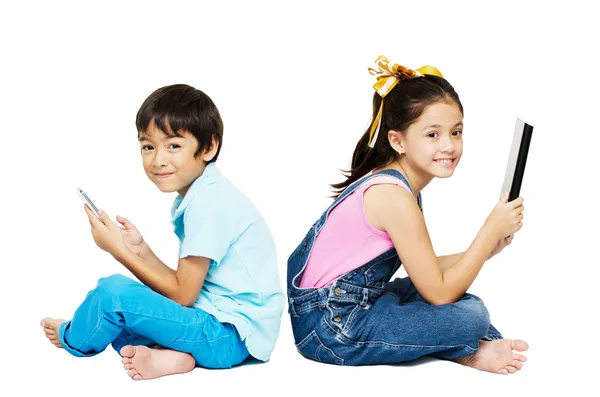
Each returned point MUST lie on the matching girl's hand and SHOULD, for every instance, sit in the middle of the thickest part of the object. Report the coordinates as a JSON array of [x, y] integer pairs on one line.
[[132, 237], [107, 234], [506, 218], [501, 244]]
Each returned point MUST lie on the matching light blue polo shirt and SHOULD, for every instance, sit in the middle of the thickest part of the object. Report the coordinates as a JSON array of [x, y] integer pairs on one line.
[[217, 221]]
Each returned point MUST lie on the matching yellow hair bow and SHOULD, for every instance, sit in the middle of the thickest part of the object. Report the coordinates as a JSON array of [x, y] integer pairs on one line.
[[387, 78]]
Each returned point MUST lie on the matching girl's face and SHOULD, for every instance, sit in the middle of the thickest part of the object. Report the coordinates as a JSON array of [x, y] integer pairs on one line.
[[169, 161], [433, 143]]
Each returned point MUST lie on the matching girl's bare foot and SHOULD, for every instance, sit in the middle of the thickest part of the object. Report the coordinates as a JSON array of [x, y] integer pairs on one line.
[[142, 362], [497, 356], [51, 326]]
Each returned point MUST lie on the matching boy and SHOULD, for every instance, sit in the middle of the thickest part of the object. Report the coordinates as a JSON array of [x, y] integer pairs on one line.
[[224, 301]]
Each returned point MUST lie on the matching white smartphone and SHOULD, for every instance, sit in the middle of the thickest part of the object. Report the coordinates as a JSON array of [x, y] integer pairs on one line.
[[87, 201]]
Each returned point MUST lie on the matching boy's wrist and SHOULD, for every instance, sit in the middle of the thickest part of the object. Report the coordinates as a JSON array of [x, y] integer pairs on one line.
[[144, 250]]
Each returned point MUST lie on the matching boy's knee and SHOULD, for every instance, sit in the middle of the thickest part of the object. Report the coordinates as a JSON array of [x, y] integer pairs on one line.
[[114, 284]]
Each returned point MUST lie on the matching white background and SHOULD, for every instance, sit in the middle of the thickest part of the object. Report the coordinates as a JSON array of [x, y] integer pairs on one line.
[[292, 86]]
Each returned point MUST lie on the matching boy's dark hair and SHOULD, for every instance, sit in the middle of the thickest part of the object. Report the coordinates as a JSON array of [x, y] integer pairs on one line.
[[402, 106], [178, 108]]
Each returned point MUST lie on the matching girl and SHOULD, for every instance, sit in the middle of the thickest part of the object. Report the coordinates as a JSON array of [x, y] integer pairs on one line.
[[343, 307]]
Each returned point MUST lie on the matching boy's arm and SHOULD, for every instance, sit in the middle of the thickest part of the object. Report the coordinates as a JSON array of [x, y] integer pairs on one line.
[[181, 286], [153, 261]]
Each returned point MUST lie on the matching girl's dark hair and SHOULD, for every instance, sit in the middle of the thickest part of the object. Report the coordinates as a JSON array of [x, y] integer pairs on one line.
[[178, 108], [402, 106]]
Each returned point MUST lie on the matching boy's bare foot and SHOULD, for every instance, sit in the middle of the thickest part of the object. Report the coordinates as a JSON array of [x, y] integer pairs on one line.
[[51, 330], [497, 356], [142, 362]]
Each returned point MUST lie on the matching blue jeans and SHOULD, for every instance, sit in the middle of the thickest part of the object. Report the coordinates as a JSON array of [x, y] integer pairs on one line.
[[121, 311], [364, 319]]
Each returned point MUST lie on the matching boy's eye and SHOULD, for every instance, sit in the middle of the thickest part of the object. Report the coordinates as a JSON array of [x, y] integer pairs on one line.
[[175, 145], [146, 147]]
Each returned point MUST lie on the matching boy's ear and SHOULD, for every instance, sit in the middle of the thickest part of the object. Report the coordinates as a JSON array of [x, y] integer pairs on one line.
[[209, 153]]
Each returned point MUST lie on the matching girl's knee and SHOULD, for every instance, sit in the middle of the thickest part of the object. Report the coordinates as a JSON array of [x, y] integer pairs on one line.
[[473, 313]]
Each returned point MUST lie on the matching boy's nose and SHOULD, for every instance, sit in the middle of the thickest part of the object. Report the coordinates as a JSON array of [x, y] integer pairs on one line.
[[159, 160]]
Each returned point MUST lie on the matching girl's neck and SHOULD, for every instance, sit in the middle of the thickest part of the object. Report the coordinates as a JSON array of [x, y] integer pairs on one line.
[[417, 181]]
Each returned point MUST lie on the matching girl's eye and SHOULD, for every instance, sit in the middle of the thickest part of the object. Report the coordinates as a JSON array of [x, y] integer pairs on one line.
[[432, 133], [459, 132]]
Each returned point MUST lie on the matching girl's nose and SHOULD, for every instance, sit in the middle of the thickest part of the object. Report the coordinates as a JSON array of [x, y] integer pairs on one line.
[[447, 146]]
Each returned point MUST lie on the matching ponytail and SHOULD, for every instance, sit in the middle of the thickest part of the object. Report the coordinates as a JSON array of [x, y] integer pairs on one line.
[[366, 158], [403, 105]]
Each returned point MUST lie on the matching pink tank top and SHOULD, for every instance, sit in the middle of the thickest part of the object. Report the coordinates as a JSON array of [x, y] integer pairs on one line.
[[347, 240]]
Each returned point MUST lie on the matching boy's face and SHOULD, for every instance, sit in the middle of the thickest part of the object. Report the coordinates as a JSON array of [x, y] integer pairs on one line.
[[169, 161]]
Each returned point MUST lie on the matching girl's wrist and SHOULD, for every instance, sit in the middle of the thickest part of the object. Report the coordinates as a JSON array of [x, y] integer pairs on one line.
[[488, 233]]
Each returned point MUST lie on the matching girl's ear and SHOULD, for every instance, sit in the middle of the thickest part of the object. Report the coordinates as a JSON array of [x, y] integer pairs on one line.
[[210, 152], [396, 139]]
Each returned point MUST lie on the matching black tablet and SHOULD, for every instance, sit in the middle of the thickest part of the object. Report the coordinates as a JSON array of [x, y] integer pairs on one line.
[[515, 169]]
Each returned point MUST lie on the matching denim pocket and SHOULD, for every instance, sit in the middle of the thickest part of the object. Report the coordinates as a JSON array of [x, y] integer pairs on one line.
[[312, 348]]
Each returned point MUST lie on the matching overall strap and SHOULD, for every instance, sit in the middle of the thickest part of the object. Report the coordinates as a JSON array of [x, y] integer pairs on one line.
[[350, 189]]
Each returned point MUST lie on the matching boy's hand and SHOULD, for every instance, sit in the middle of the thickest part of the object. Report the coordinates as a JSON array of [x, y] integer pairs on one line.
[[107, 234], [501, 244], [132, 237]]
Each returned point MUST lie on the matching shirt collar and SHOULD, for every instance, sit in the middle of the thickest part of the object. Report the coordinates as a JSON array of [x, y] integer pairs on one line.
[[210, 175]]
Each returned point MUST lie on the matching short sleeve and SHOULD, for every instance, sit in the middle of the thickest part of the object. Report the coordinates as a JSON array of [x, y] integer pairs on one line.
[[206, 231]]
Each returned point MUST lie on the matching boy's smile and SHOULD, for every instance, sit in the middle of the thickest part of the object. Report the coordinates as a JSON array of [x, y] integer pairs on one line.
[[169, 160]]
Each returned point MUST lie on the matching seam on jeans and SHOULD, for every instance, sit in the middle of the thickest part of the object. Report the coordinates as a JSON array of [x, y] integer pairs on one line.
[[378, 259], [292, 309], [320, 345], [301, 344], [323, 347], [369, 270], [347, 341], [164, 319], [317, 356], [304, 296], [200, 341], [93, 333], [160, 318], [306, 240], [491, 337], [308, 308], [350, 318]]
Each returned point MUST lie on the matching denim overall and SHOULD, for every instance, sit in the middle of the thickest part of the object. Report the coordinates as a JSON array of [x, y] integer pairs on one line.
[[363, 319]]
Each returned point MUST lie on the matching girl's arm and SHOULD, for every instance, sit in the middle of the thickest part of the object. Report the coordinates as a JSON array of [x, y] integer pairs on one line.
[[393, 209], [446, 261]]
